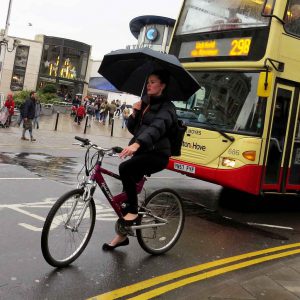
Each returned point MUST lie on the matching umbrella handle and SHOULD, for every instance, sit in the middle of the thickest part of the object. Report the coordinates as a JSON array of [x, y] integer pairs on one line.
[[142, 93]]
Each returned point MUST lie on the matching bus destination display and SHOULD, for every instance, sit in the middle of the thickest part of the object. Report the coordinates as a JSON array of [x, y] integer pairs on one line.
[[216, 48]]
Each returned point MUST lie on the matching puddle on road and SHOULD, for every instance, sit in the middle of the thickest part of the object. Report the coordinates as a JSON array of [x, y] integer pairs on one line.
[[62, 169]]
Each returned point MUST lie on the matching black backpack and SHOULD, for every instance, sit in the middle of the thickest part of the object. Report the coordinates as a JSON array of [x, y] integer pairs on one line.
[[176, 135]]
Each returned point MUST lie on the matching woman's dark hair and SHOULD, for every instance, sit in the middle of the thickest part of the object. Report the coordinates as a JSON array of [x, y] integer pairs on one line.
[[163, 76], [31, 93]]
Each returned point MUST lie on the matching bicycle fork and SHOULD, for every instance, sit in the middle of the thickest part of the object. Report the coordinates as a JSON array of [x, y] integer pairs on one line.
[[86, 197]]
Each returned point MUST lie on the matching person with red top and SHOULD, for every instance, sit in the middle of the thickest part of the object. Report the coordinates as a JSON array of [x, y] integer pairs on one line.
[[80, 114], [10, 104]]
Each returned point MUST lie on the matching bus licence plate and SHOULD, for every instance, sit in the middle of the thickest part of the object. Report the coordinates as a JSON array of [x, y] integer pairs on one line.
[[184, 168]]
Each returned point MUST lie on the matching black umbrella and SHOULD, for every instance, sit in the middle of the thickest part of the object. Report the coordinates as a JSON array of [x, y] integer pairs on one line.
[[128, 70]]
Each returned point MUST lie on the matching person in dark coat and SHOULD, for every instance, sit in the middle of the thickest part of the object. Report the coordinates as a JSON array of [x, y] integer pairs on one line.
[[149, 148], [28, 115]]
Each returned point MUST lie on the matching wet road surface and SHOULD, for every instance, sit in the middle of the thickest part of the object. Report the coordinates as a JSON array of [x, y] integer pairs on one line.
[[215, 228]]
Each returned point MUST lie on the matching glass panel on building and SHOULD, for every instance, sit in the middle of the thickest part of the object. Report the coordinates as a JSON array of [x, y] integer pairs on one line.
[[19, 70]]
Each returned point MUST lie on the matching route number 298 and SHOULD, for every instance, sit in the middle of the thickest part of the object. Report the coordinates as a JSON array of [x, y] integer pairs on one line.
[[240, 47]]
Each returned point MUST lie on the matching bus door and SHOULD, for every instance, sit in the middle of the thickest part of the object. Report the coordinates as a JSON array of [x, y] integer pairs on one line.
[[282, 139]]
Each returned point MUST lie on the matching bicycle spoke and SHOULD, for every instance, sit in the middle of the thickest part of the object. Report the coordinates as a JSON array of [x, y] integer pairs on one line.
[[166, 205], [66, 235]]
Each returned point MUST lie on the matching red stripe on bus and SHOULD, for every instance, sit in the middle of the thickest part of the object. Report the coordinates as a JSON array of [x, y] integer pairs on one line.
[[246, 178]]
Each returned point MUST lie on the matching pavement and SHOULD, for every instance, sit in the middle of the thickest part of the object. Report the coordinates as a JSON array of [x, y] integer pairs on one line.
[[273, 275]]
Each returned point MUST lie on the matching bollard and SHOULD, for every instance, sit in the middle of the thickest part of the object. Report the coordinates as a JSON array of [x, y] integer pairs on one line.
[[112, 126], [86, 121], [57, 116]]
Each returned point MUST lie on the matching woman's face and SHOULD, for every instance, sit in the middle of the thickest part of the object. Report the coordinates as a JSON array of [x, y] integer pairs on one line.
[[154, 86]]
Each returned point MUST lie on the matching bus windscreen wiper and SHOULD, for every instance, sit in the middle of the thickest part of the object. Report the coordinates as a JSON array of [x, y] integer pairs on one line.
[[211, 125]]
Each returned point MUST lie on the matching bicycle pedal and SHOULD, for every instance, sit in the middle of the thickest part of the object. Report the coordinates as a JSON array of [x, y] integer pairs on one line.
[[129, 231]]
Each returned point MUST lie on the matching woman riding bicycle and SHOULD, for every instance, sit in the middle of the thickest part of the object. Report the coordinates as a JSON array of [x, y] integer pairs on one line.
[[149, 148]]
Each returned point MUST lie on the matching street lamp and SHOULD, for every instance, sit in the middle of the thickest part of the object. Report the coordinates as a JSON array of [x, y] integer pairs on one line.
[[5, 42]]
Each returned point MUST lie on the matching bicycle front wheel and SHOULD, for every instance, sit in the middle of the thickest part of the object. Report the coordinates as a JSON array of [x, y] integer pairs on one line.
[[163, 209], [68, 228]]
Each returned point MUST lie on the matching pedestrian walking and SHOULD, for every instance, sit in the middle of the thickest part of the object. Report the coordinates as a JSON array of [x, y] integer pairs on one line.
[[111, 111], [80, 114], [103, 111], [97, 109], [90, 110], [125, 115], [28, 116], [118, 108], [38, 110], [21, 109], [10, 105]]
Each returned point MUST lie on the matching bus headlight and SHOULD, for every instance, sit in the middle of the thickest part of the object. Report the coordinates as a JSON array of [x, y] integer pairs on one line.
[[250, 155], [228, 162]]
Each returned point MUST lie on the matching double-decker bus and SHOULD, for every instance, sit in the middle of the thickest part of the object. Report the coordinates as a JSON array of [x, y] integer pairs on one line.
[[243, 123]]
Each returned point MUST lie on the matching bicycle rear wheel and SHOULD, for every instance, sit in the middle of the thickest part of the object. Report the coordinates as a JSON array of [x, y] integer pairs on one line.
[[163, 207], [63, 238]]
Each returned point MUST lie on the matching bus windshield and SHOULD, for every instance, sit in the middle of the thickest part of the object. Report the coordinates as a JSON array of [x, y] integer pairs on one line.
[[214, 15], [226, 101]]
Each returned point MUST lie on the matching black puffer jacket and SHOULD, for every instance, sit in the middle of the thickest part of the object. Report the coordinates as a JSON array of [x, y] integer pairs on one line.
[[150, 126]]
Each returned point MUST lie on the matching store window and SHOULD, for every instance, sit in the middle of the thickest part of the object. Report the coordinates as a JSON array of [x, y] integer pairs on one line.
[[19, 70], [64, 62], [50, 60]]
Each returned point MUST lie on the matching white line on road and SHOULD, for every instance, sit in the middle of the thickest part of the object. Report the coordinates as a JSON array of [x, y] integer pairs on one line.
[[22, 211], [30, 227], [270, 226], [18, 178]]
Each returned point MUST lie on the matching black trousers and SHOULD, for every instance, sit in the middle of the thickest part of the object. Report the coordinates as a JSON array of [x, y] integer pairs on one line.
[[133, 170]]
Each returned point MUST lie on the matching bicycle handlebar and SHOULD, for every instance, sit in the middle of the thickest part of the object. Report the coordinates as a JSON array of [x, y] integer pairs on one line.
[[86, 142]]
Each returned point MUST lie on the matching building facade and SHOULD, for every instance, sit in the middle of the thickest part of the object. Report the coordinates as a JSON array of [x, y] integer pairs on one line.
[[54, 60], [21, 66], [152, 31], [64, 63]]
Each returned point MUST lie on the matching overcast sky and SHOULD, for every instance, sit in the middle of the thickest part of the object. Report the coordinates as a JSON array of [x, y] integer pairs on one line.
[[102, 24]]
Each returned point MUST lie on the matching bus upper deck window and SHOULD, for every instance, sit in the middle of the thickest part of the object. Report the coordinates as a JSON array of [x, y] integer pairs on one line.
[[293, 19]]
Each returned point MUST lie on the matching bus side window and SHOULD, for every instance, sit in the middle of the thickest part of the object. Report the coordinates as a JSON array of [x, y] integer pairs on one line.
[[292, 19], [298, 127]]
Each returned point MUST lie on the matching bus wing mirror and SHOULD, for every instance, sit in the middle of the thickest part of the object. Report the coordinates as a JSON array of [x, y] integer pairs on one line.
[[264, 84]]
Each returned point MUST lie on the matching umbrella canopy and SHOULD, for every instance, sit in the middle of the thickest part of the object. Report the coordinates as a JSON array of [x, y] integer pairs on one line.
[[128, 71]]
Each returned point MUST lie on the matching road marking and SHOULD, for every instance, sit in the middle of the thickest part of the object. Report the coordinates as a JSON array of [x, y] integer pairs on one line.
[[18, 178], [30, 227], [103, 212], [270, 226], [43, 147], [22, 211], [180, 273], [213, 273]]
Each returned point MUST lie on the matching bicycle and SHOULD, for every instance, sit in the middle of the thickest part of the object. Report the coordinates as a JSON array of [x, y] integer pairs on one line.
[[70, 222]]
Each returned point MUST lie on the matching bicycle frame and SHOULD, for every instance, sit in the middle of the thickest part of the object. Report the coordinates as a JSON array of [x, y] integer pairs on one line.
[[115, 201]]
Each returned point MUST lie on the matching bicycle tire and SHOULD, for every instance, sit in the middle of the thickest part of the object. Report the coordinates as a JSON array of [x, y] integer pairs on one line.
[[69, 243], [166, 204]]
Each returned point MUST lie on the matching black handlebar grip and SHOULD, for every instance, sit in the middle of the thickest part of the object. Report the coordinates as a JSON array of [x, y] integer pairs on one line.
[[117, 149], [84, 141]]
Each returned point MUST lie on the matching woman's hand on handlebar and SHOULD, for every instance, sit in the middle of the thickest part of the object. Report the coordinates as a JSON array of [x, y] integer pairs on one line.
[[129, 150]]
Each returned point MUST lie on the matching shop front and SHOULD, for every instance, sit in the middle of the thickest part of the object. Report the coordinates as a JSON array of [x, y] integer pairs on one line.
[[64, 64]]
